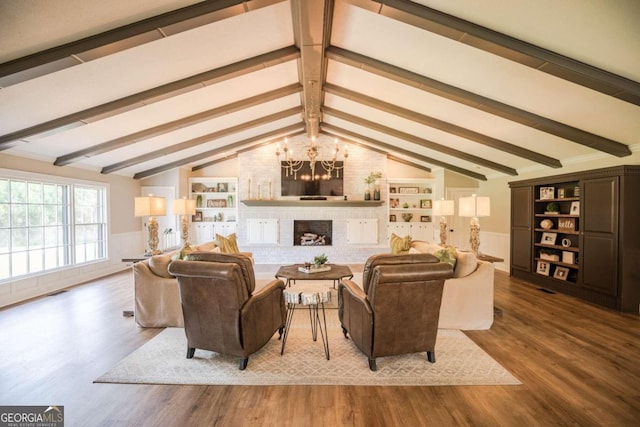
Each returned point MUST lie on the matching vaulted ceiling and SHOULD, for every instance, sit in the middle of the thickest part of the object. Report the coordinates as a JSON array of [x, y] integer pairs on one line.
[[484, 89]]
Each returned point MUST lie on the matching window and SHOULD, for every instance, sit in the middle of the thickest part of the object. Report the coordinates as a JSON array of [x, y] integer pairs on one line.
[[47, 224]]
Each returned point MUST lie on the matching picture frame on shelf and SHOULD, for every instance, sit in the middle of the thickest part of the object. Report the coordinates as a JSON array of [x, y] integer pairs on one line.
[[548, 238], [425, 204], [408, 190], [561, 193], [222, 187], [561, 273], [392, 190], [568, 257], [394, 203], [427, 190], [543, 268], [575, 208], [547, 193], [425, 218], [392, 218], [197, 217], [567, 224]]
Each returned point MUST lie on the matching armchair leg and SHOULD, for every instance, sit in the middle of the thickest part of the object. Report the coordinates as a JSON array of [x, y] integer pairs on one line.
[[372, 364], [344, 331], [190, 352], [431, 355], [243, 363]]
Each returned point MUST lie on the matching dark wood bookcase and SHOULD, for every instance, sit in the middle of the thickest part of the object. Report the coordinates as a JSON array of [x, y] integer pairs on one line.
[[579, 234]]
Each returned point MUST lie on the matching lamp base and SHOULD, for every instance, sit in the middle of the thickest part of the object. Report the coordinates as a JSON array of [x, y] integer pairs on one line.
[[153, 237], [443, 231], [474, 235]]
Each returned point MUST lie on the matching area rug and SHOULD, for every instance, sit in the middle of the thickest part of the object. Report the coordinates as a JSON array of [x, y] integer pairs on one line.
[[459, 361]]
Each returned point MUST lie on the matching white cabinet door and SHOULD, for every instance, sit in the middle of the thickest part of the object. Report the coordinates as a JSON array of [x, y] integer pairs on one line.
[[362, 231], [262, 231], [224, 228], [201, 232], [417, 230]]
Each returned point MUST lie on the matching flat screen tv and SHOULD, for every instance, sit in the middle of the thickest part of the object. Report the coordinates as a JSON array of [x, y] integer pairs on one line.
[[301, 184]]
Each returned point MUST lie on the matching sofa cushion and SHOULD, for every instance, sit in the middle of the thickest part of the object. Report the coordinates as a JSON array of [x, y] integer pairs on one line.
[[466, 263], [420, 246], [159, 265], [400, 245], [448, 255], [229, 244]]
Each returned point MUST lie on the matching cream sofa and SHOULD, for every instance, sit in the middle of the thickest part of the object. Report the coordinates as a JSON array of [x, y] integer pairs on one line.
[[156, 294], [467, 299]]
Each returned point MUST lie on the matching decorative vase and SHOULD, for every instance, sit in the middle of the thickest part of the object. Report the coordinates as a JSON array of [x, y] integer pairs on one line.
[[407, 216]]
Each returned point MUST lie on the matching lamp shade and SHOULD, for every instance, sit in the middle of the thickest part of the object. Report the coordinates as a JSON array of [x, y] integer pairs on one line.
[[474, 206], [184, 206], [443, 207], [150, 206]]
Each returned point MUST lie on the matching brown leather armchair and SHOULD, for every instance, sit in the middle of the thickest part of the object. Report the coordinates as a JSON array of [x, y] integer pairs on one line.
[[398, 311], [221, 311]]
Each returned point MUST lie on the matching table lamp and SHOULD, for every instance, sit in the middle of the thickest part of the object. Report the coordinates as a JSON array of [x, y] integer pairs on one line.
[[151, 206], [184, 207], [443, 208], [474, 207]]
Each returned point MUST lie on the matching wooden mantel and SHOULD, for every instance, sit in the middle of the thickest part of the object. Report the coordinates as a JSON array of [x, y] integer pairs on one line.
[[314, 203]]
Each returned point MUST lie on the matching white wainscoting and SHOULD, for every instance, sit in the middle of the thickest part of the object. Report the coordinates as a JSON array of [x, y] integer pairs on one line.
[[120, 246], [496, 244]]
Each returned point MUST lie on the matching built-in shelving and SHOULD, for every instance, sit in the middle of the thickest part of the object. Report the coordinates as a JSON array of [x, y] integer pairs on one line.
[[312, 203]]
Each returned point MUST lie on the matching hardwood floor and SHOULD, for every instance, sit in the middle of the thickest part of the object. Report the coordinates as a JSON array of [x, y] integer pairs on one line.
[[578, 364]]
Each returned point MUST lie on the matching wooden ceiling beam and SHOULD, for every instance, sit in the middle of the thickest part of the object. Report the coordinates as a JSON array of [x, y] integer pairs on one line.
[[442, 125], [194, 142], [194, 82], [430, 145], [483, 38], [181, 123], [479, 102], [298, 127], [339, 132], [175, 18]]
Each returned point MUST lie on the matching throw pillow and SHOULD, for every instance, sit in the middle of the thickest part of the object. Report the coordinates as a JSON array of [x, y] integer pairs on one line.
[[466, 263], [400, 245], [206, 247], [448, 255], [159, 265], [186, 250], [425, 247], [229, 244]]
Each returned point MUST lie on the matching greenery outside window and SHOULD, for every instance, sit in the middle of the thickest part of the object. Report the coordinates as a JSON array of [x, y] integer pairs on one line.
[[47, 224]]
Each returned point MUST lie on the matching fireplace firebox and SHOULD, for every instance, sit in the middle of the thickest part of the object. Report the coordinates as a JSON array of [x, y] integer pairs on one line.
[[312, 233]]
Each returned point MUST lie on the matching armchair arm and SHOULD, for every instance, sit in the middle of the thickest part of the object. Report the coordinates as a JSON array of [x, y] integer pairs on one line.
[[356, 315], [262, 315]]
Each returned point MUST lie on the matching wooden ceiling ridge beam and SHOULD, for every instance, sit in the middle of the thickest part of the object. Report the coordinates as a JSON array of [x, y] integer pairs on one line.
[[511, 48], [183, 122], [225, 72], [420, 141], [200, 140], [340, 132], [125, 32], [312, 21], [185, 161], [479, 102], [442, 125]]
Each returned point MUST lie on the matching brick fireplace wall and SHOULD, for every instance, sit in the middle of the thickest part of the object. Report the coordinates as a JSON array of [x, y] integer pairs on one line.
[[261, 166]]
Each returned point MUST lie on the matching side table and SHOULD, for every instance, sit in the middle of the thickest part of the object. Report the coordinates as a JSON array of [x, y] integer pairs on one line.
[[314, 297]]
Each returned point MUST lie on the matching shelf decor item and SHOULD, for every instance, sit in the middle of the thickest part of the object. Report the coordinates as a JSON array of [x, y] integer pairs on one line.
[[542, 268], [546, 224], [575, 208], [547, 193], [548, 238], [561, 273], [407, 216], [552, 208]]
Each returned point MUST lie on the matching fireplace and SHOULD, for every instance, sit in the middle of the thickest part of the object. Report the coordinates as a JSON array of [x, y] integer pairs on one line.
[[312, 233]]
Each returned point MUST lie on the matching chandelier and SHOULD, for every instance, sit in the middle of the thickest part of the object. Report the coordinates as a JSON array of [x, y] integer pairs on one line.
[[292, 166]]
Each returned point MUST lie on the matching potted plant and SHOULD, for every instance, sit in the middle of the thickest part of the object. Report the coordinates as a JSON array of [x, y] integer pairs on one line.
[[320, 260], [552, 208]]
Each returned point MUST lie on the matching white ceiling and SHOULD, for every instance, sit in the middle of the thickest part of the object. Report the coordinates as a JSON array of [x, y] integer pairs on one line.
[[603, 35]]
